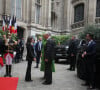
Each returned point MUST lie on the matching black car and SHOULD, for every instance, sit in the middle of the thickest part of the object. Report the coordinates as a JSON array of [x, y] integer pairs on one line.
[[61, 51]]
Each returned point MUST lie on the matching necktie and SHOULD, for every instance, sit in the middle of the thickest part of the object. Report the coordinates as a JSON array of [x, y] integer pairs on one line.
[[39, 46]]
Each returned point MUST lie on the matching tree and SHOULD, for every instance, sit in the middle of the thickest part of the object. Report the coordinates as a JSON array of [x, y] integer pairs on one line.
[[61, 38], [90, 29]]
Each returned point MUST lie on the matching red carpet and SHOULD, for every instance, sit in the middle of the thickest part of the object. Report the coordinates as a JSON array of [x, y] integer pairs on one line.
[[8, 83]]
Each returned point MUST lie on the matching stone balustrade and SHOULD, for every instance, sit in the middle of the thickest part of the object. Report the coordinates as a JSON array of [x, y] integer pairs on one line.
[[97, 20], [77, 25], [73, 1]]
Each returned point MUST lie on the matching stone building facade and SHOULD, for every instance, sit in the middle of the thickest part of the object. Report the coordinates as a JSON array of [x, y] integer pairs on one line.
[[71, 16], [33, 16], [58, 16]]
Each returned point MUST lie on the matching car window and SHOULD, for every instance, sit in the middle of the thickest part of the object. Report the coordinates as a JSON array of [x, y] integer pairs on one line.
[[66, 42]]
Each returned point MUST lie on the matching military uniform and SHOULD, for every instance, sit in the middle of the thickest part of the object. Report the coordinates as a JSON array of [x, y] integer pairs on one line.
[[9, 47]]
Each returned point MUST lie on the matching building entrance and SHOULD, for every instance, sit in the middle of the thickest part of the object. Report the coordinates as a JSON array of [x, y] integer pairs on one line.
[[20, 32]]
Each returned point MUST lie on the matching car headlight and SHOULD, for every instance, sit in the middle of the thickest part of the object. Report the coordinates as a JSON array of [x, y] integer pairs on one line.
[[67, 47]]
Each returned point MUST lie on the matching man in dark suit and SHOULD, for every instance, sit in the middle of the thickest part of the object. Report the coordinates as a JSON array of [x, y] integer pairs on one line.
[[49, 52], [38, 48], [2, 47], [22, 48], [72, 54], [89, 54]]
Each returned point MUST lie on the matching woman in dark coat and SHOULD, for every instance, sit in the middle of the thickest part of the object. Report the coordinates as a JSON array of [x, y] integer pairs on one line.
[[30, 57]]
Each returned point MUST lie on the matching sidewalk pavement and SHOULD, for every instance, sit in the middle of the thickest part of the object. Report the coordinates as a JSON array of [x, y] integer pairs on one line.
[[62, 78], [2, 71]]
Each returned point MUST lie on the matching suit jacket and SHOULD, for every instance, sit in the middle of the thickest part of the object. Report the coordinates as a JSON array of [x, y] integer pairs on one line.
[[49, 50], [72, 48], [91, 51], [37, 47], [2, 46], [30, 52]]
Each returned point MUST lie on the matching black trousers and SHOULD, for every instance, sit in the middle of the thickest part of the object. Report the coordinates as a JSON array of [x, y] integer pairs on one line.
[[8, 70], [72, 62], [38, 58], [48, 72], [22, 52], [17, 58], [90, 73], [28, 71]]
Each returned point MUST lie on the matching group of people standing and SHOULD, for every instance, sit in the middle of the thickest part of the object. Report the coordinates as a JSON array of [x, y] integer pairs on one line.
[[11, 51], [19, 50], [46, 50], [89, 57]]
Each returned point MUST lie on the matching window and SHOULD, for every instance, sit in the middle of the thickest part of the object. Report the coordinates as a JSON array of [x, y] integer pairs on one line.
[[16, 6], [52, 6], [37, 9], [12, 7], [79, 13], [98, 9], [18, 9], [38, 1], [53, 20]]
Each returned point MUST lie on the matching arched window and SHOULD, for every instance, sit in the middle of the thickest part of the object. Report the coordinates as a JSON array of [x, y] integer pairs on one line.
[[98, 9], [79, 13], [53, 20]]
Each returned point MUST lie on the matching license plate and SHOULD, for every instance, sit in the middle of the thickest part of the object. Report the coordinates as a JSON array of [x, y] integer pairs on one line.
[[58, 54]]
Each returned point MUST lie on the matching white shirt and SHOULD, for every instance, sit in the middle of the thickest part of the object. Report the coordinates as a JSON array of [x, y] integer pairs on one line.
[[40, 44], [90, 42]]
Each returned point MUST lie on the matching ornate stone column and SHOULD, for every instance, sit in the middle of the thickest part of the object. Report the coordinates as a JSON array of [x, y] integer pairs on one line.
[[8, 7], [91, 11], [25, 17], [29, 9], [23, 10], [69, 13], [1, 8], [33, 12], [42, 20], [49, 14]]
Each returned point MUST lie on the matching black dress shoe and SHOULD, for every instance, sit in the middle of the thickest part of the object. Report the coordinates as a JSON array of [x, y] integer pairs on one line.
[[5, 75], [85, 84], [10, 75], [72, 70], [28, 80], [31, 81], [91, 87], [42, 78], [45, 83], [35, 67], [69, 69]]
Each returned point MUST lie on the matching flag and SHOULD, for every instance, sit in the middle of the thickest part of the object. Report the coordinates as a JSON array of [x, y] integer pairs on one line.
[[3, 27], [15, 28]]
